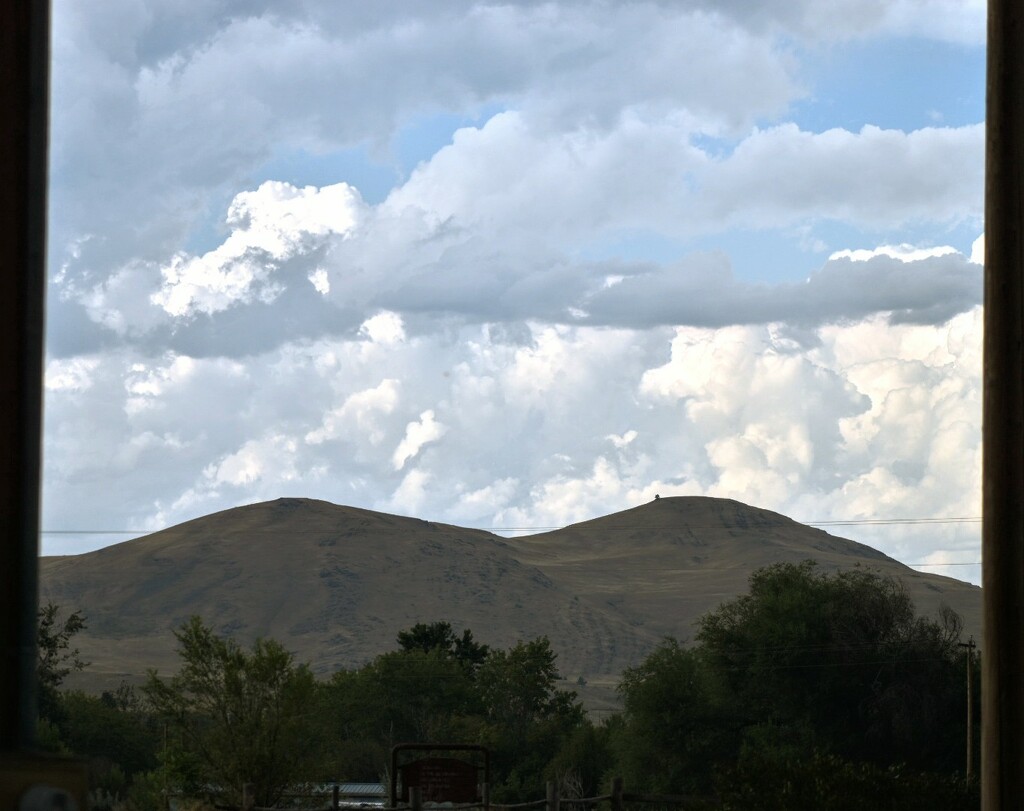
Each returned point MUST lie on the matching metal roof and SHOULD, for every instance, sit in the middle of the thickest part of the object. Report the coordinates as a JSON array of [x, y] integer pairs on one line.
[[369, 789]]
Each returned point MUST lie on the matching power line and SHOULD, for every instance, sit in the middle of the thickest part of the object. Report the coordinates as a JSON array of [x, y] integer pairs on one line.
[[98, 531], [621, 527], [870, 521], [628, 527], [852, 522]]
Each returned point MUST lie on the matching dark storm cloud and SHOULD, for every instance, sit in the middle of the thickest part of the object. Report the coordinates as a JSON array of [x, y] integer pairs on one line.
[[703, 292]]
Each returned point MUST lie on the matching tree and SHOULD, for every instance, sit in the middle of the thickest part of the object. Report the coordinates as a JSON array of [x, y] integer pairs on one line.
[[116, 736], [422, 692], [422, 696], [56, 658], [842, 659], [829, 782], [678, 721], [238, 717], [527, 716], [439, 636], [583, 761], [520, 685], [442, 687], [808, 666]]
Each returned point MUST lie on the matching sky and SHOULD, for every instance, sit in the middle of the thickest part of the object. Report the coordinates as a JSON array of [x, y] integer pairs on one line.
[[518, 265]]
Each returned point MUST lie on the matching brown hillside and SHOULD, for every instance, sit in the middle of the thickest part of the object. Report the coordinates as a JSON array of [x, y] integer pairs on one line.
[[335, 584], [664, 564]]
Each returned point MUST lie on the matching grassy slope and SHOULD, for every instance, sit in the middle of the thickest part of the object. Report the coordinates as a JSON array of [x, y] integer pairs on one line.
[[335, 584]]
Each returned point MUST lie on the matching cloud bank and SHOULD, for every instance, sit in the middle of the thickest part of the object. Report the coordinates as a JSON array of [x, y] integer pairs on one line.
[[509, 265]]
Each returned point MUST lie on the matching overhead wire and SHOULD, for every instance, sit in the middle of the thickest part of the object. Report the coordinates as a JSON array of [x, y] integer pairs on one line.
[[551, 528], [619, 528]]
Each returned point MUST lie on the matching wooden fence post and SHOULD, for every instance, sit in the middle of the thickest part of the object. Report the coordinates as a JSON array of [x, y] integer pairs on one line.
[[485, 795], [334, 798], [248, 797], [616, 794], [552, 797], [415, 798]]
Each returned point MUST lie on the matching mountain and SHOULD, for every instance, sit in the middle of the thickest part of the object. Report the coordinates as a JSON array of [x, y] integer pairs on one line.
[[335, 584], [662, 565]]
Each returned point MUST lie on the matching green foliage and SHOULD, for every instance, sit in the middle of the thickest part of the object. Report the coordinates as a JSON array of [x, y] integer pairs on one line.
[[844, 655], [423, 696], [48, 737], [232, 716], [114, 733], [147, 792], [56, 658], [680, 721], [812, 690], [118, 742], [584, 761], [827, 781], [236, 717], [439, 636], [442, 688], [520, 684], [124, 698], [526, 715], [806, 668]]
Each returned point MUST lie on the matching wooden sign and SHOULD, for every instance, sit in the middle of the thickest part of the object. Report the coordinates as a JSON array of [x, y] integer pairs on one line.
[[441, 780]]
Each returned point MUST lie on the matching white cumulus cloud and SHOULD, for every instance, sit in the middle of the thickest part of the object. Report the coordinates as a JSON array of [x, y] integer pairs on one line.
[[267, 225], [417, 434], [515, 264]]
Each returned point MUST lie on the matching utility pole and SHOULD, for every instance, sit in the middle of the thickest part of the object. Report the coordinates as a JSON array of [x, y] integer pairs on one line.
[[970, 645]]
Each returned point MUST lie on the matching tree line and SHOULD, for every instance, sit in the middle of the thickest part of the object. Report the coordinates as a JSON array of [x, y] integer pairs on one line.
[[813, 689]]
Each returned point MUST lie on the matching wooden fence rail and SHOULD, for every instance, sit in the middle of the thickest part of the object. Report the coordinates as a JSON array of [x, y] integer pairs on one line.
[[617, 800]]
